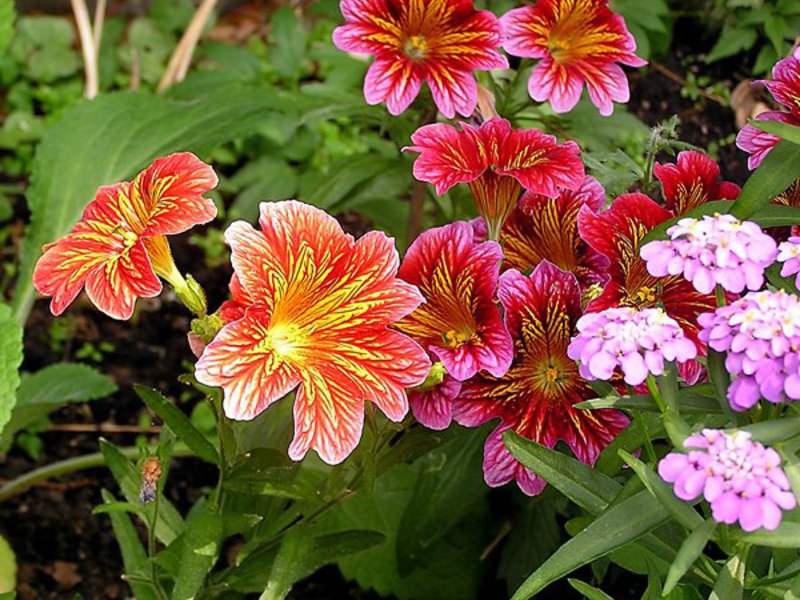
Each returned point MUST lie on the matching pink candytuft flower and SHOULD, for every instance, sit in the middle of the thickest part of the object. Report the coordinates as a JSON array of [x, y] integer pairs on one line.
[[741, 479], [636, 341], [761, 334], [579, 43], [789, 255], [440, 42], [718, 250]]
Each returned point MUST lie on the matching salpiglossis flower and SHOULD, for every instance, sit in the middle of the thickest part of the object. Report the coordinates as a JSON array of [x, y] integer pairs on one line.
[[580, 43], [119, 248], [692, 181], [459, 322], [617, 234], [315, 309], [497, 162], [440, 42], [535, 397]]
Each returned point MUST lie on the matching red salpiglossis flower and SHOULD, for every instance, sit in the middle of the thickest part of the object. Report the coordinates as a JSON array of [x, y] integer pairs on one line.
[[441, 42], [542, 228], [433, 407], [617, 234], [579, 42], [315, 312], [693, 180], [118, 248], [497, 162], [459, 323], [535, 397]]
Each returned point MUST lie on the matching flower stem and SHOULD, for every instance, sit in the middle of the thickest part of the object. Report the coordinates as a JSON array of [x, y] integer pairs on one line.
[[720, 296]]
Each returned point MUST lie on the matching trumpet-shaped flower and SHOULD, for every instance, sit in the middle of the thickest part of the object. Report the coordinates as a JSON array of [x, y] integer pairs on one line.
[[579, 43], [693, 180], [315, 312], [535, 397], [741, 479], [441, 42], [119, 248], [497, 162], [718, 250], [434, 407], [761, 335], [636, 341]]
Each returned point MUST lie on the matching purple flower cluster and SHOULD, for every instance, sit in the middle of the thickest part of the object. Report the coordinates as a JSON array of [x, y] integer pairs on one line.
[[718, 250], [741, 479], [637, 341], [761, 334], [789, 255]]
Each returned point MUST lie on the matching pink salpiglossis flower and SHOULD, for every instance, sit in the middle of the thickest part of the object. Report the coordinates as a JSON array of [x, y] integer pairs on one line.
[[441, 42], [580, 43], [535, 397], [317, 310], [713, 251], [638, 342], [118, 249], [789, 255], [497, 162], [785, 88], [741, 479], [693, 180], [434, 407]]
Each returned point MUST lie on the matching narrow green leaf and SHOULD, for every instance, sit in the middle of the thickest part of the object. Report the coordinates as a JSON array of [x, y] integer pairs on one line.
[[787, 535], [720, 378], [730, 583], [619, 525], [125, 507], [288, 563], [8, 567], [785, 131], [134, 556], [777, 215], [681, 511], [201, 546], [7, 16], [772, 432], [690, 551], [776, 173], [588, 591], [688, 403], [708, 208], [10, 360], [178, 422], [280, 482], [586, 487]]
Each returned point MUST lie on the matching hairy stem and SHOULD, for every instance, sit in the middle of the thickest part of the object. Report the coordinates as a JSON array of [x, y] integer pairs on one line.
[[88, 48]]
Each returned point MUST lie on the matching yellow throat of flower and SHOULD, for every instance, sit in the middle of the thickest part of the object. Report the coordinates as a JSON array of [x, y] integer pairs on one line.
[[416, 48]]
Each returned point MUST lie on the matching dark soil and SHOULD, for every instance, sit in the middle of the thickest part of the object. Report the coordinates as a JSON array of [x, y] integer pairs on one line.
[[62, 549]]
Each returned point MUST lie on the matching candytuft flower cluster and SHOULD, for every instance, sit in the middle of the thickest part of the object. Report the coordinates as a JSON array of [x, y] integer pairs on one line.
[[741, 479]]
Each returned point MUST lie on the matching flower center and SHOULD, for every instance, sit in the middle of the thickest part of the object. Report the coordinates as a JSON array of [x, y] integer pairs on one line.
[[416, 48], [455, 339], [281, 341]]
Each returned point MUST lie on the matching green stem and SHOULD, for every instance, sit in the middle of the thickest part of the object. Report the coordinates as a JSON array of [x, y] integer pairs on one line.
[[151, 547], [71, 465], [720, 296], [222, 424], [648, 443], [656, 394]]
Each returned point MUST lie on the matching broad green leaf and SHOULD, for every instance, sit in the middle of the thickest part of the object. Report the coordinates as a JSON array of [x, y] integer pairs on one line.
[[170, 523], [179, 423], [50, 388], [776, 173], [109, 139], [281, 482], [200, 551], [535, 535], [8, 567], [10, 360], [133, 553], [733, 40], [288, 563], [621, 524], [690, 551], [7, 15], [681, 511], [289, 43], [589, 592], [787, 535], [586, 487], [730, 583]]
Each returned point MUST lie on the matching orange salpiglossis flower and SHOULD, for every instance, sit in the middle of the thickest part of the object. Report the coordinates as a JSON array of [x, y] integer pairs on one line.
[[312, 312], [119, 248]]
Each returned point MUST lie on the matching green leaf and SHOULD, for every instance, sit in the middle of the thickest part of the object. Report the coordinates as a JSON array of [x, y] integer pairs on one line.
[[688, 403], [732, 41], [690, 551], [586, 487], [289, 43], [8, 567], [108, 139], [778, 430], [730, 583], [776, 173], [621, 524], [7, 15], [200, 551], [288, 563], [785, 131], [134, 556], [275, 481], [720, 378], [589, 592], [10, 360], [708, 208], [50, 388], [787, 535], [178, 422], [681, 511]]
